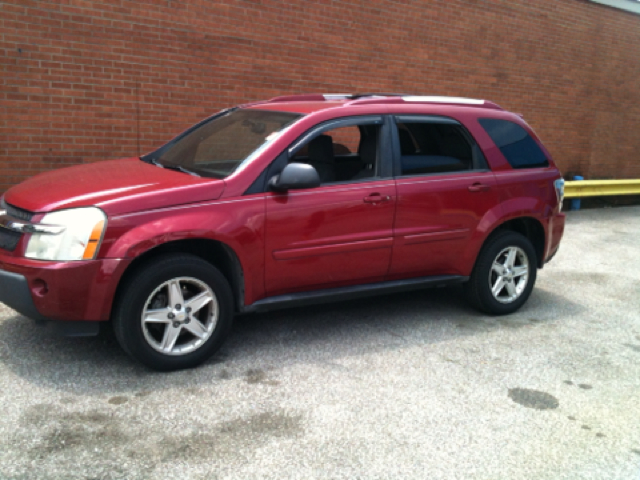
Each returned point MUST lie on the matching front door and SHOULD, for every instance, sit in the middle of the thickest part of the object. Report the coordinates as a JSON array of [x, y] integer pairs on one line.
[[340, 233]]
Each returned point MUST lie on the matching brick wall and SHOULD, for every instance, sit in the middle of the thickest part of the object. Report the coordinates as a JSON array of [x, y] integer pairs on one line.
[[85, 80]]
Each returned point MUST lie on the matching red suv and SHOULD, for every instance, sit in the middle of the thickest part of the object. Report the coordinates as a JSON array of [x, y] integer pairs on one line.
[[295, 200]]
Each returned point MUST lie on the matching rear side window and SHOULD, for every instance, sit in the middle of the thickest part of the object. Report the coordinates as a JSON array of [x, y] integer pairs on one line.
[[520, 150], [430, 147]]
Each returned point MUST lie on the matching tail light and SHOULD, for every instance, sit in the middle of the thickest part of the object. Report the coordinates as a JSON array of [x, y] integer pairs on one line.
[[559, 184]]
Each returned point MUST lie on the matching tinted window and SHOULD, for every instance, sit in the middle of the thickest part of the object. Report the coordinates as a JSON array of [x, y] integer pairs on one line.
[[427, 147], [520, 150]]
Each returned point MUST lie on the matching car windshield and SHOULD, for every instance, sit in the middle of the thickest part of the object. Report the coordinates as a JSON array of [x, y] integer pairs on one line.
[[220, 146]]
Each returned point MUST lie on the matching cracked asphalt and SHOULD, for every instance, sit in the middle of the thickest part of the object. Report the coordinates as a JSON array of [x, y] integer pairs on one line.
[[413, 385]]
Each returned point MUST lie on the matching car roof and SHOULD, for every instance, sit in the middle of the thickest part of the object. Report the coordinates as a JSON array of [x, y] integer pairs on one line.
[[310, 103]]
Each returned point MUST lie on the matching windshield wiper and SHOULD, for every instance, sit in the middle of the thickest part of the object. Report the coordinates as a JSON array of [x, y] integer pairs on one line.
[[178, 168], [172, 167]]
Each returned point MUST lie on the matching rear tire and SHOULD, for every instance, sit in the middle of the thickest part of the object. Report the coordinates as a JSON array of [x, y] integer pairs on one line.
[[174, 312], [504, 274]]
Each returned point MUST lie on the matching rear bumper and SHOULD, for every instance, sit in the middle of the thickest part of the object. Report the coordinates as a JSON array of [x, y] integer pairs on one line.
[[61, 291], [555, 230]]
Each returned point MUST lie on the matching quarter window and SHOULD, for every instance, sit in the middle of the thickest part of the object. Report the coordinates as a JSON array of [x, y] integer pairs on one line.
[[520, 150]]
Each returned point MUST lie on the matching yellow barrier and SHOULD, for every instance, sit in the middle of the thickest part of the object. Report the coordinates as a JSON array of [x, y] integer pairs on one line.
[[599, 188]]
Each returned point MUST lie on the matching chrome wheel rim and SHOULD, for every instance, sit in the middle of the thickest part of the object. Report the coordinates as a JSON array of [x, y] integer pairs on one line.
[[179, 316], [509, 275]]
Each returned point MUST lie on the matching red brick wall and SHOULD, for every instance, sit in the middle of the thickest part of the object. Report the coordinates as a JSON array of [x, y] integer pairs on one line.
[[91, 80]]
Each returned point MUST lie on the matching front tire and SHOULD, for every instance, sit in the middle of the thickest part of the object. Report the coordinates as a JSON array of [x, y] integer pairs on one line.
[[174, 312], [504, 274]]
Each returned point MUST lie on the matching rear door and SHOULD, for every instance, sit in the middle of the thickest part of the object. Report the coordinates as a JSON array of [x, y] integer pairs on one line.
[[444, 189]]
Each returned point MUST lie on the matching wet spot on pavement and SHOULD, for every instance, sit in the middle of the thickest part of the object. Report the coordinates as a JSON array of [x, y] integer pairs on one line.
[[600, 435], [36, 415], [450, 360], [259, 376], [571, 417], [255, 376], [231, 440], [269, 423], [568, 382], [585, 386], [53, 434], [80, 432], [118, 400], [58, 431], [143, 393], [636, 451], [512, 323], [586, 427], [635, 348], [533, 398], [224, 375]]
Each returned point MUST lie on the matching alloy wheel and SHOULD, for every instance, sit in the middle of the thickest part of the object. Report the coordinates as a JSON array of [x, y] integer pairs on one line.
[[509, 274], [179, 316]]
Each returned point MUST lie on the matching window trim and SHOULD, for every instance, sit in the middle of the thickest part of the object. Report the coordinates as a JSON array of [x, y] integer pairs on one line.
[[320, 128], [479, 162], [260, 184]]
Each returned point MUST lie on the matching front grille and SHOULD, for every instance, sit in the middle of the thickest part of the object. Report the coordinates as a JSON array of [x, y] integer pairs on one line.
[[16, 212], [9, 240]]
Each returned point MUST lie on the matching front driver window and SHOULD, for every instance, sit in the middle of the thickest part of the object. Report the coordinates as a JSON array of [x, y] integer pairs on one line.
[[343, 154]]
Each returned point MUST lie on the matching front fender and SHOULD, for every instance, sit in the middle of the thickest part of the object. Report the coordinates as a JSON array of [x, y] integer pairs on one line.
[[239, 224]]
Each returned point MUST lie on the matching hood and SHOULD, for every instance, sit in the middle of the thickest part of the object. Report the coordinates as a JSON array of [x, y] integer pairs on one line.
[[116, 186]]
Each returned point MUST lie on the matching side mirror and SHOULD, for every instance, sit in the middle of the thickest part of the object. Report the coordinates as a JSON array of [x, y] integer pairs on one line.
[[295, 176]]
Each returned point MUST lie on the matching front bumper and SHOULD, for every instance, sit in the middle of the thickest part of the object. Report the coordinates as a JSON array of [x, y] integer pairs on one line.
[[61, 291], [14, 292]]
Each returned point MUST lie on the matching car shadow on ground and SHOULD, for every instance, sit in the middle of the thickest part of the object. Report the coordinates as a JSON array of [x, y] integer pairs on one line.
[[264, 342]]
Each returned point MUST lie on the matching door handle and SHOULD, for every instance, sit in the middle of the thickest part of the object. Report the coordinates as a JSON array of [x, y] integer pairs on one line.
[[376, 198], [479, 187]]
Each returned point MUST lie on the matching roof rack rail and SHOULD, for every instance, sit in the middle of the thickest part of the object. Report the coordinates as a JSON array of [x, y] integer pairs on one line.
[[443, 99], [459, 101], [305, 97], [374, 97], [319, 97], [357, 96]]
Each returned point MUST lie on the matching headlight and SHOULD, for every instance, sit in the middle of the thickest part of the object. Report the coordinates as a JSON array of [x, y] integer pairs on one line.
[[80, 240]]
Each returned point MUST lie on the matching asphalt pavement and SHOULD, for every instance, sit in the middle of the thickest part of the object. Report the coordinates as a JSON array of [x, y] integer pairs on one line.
[[414, 385]]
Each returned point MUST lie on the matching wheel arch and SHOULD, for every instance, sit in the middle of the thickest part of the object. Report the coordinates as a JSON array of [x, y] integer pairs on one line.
[[529, 227], [214, 252]]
